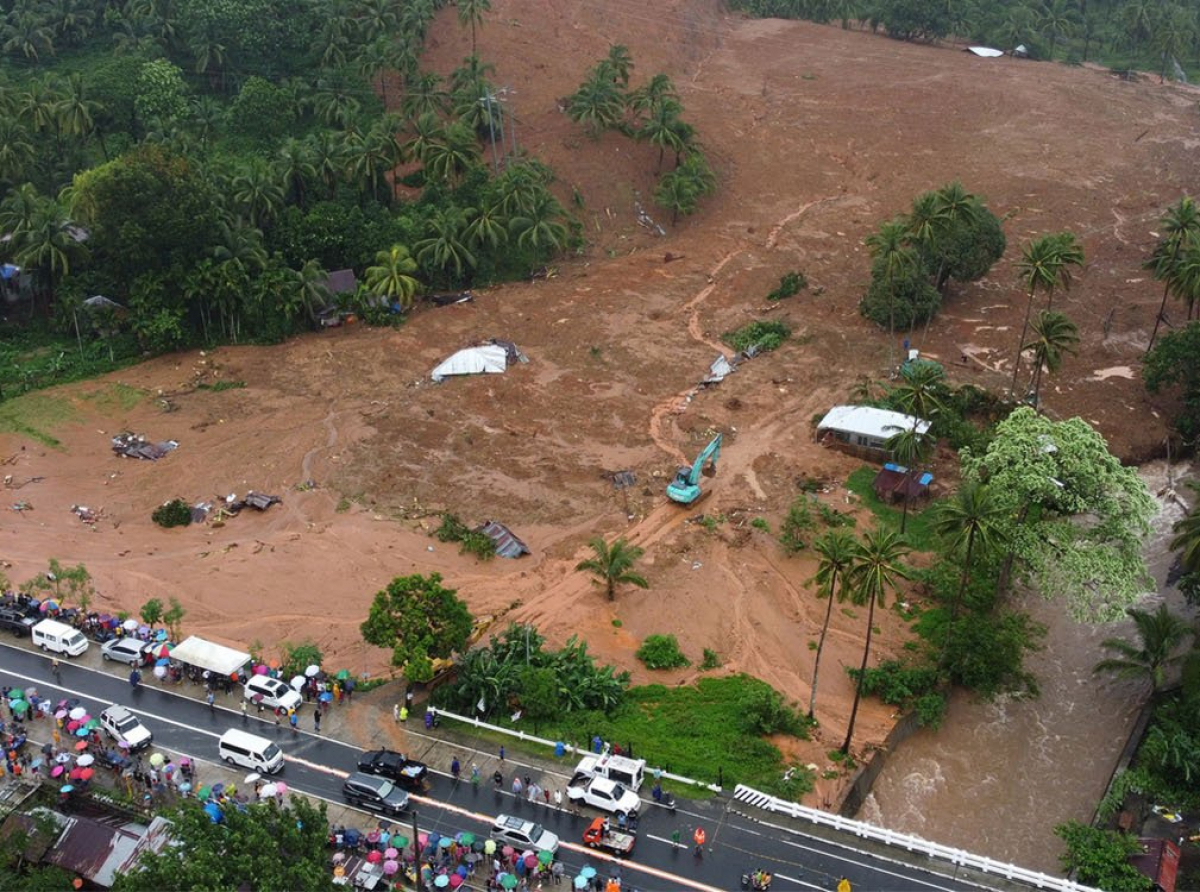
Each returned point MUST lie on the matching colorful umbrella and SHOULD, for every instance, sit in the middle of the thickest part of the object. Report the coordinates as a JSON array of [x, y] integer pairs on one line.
[[280, 787], [581, 882], [66, 788], [588, 871], [123, 744], [443, 881], [63, 758], [374, 856], [37, 763], [185, 787], [16, 694], [162, 661], [160, 635], [86, 774], [85, 760], [466, 838], [252, 777], [325, 697], [343, 674], [390, 853], [267, 791], [508, 881], [489, 847], [274, 664], [60, 714], [82, 732], [299, 682], [312, 670], [218, 789], [18, 706], [160, 672], [77, 713], [545, 857], [157, 760], [73, 725], [530, 861], [92, 724], [507, 851], [57, 770], [455, 881], [204, 792], [399, 841], [130, 625], [390, 867], [165, 650]]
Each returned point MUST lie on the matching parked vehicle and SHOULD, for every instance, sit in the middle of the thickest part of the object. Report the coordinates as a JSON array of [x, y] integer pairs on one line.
[[606, 795], [20, 624], [51, 635], [275, 694], [250, 751], [375, 793], [598, 836], [121, 724], [132, 651], [396, 767], [630, 773], [523, 834]]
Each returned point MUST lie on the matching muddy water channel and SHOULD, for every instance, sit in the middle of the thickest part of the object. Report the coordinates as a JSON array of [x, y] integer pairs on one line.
[[997, 777]]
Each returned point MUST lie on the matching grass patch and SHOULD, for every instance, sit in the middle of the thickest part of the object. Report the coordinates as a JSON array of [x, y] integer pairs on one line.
[[35, 415], [218, 386], [763, 335], [115, 396], [919, 532]]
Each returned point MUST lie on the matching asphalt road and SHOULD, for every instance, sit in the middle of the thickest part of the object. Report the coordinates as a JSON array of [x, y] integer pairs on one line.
[[316, 765]]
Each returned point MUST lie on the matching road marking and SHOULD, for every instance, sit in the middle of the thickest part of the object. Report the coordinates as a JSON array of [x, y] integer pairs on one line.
[[784, 876], [670, 842]]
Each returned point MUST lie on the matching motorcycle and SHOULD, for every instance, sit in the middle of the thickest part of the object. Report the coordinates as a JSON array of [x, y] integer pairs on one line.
[[757, 880]]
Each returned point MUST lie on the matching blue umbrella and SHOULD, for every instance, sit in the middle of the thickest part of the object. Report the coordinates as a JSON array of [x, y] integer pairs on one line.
[[581, 882], [161, 635], [162, 661], [588, 872], [82, 732], [325, 696], [214, 812], [66, 788]]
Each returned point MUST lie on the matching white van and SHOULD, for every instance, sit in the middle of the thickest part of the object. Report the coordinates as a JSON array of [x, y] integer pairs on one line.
[[50, 634], [250, 751]]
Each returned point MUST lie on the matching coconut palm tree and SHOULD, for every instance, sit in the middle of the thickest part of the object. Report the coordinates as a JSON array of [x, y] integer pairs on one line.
[[1181, 220], [488, 226], [1159, 635], [452, 156], [878, 570], [17, 154], [619, 62], [294, 167], [893, 254], [310, 286], [918, 390], [663, 129], [27, 34], [539, 225], [328, 159], [1045, 263], [424, 96], [390, 278], [836, 554], [470, 14], [446, 248], [1057, 19], [613, 565], [257, 192], [1054, 335], [1187, 537], [969, 524], [911, 447], [597, 104], [1184, 280]]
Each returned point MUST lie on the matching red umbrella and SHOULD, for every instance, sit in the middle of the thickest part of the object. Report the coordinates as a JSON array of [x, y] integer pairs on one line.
[[75, 773], [374, 856], [81, 746], [164, 651]]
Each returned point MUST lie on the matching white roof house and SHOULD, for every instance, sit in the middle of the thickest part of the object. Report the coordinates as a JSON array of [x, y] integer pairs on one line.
[[867, 426]]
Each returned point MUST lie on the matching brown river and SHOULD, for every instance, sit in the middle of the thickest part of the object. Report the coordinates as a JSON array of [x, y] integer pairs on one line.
[[997, 777]]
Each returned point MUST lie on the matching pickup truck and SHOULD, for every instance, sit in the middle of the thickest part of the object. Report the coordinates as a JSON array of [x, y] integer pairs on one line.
[[396, 767], [620, 844], [606, 795]]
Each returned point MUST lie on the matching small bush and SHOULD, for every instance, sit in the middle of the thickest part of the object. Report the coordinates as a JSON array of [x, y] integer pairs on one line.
[[174, 513], [790, 284], [760, 523], [662, 652], [478, 544], [797, 523], [763, 335], [767, 713], [452, 529], [712, 660], [219, 386], [831, 517]]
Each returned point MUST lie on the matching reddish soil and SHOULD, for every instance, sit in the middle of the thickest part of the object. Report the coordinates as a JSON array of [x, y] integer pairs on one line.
[[817, 134]]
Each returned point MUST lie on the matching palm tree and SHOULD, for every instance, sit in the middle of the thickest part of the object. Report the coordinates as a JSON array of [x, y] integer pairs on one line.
[[613, 565], [328, 157], [76, 113], [256, 190], [877, 572], [1185, 277], [470, 13], [487, 229], [1159, 634], [46, 242], [619, 62], [911, 447], [918, 390], [424, 96], [390, 278], [427, 131], [836, 552], [1054, 335], [664, 129], [538, 226], [17, 154], [968, 521], [27, 34], [893, 254], [658, 90], [1181, 220], [1057, 18], [294, 167], [597, 104], [1045, 263], [1187, 537], [451, 157], [311, 288], [445, 248], [335, 102]]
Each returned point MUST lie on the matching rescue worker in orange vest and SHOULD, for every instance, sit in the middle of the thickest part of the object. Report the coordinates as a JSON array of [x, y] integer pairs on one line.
[[699, 838]]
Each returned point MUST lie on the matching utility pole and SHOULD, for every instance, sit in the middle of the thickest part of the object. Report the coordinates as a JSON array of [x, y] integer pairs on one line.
[[489, 101], [417, 848]]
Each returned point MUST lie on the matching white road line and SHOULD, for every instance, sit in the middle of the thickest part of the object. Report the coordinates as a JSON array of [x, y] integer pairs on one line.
[[804, 883], [670, 842]]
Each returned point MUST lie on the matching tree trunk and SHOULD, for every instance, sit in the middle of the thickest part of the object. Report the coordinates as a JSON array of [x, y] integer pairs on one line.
[[812, 699], [612, 590], [957, 602], [1020, 345], [845, 748], [904, 514], [1006, 569]]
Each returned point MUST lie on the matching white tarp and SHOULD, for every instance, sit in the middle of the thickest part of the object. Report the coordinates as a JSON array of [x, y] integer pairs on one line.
[[719, 370], [487, 360], [215, 658], [985, 51]]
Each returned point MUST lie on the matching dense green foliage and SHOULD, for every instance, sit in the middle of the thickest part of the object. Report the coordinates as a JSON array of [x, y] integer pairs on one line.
[[1174, 362], [260, 846], [418, 619], [1100, 858], [204, 164], [469, 541], [492, 680], [662, 652], [790, 284], [762, 335], [947, 234], [174, 513], [1124, 34]]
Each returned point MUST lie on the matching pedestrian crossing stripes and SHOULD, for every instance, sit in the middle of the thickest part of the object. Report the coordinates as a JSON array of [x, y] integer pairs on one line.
[[750, 796]]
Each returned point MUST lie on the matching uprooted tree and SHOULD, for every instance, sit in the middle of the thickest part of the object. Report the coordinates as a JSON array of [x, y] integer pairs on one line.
[[418, 619]]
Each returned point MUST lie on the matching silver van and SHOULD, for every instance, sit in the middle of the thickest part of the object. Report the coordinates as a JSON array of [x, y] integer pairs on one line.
[[250, 751], [51, 635]]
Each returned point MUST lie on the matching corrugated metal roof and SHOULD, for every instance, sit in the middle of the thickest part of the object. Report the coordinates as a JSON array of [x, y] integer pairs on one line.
[[99, 852], [870, 422], [507, 545]]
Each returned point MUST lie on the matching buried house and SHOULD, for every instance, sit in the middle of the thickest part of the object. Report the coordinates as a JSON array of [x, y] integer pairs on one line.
[[865, 430]]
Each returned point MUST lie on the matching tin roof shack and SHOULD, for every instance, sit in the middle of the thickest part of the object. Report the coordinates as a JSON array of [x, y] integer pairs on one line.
[[1159, 861], [97, 852], [865, 430], [895, 484]]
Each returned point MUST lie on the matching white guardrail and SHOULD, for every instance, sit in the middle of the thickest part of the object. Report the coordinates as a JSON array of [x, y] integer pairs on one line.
[[553, 744], [957, 857]]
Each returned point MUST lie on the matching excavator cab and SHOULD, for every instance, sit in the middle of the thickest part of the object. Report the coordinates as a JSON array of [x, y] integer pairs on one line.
[[685, 488]]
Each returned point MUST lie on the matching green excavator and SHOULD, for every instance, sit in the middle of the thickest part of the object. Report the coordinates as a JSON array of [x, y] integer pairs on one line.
[[685, 488]]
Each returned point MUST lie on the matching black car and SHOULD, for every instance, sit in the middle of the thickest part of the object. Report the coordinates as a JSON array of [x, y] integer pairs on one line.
[[377, 794], [396, 767], [16, 622]]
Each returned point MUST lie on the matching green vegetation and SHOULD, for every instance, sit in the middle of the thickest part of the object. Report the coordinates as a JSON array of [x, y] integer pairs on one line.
[[281, 846], [62, 583], [712, 660], [152, 612], [760, 334], [761, 523], [662, 652], [202, 165], [469, 541], [918, 530], [295, 658], [796, 525], [1100, 858], [913, 688], [175, 513], [220, 386], [790, 284], [1171, 365], [35, 416], [418, 620], [613, 565], [948, 234]]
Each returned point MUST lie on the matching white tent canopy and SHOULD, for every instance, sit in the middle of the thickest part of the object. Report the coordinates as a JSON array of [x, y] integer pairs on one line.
[[215, 658], [489, 359]]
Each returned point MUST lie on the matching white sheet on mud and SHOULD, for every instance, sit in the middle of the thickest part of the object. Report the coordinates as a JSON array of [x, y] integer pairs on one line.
[[486, 360]]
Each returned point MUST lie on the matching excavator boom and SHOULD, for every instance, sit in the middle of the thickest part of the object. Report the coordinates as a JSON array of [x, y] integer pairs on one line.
[[685, 488]]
